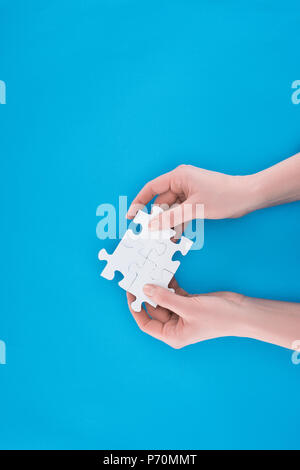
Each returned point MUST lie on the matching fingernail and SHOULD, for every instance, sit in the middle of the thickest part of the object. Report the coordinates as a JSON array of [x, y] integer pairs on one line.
[[130, 215], [149, 290]]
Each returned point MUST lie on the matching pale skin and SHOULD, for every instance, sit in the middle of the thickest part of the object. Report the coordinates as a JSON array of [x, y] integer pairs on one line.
[[181, 319]]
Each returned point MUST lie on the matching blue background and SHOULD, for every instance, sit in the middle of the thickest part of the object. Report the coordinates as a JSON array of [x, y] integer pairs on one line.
[[103, 95]]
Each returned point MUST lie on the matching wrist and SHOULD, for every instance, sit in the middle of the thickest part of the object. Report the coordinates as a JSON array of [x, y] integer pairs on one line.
[[275, 185], [242, 324], [238, 320], [245, 326], [256, 320], [251, 193]]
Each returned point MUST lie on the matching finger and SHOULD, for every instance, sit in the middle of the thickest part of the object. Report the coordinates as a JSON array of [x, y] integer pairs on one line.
[[185, 224], [178, 290], [159, 185], [178, 228], [158, 313], [178, 215], [168, 199], [167, 299], [144, 322]]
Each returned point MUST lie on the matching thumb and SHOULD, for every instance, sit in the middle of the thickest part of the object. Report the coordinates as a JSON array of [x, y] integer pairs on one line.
[[173, 217], [167, 299]]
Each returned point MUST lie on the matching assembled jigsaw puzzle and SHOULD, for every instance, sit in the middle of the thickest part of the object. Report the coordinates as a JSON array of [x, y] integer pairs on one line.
[[144, 258]]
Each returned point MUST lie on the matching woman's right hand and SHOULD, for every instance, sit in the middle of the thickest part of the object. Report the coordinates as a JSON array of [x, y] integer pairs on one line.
[[181, 319]]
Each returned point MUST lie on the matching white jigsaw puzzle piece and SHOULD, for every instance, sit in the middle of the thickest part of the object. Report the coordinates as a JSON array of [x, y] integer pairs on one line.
[[124, 255], [144, 258]]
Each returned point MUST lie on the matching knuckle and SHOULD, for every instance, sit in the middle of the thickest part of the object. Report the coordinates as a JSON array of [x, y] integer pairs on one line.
[[177, 345], [162, 296], [147, 186], [185, 166], [143, 327], [182, 167]]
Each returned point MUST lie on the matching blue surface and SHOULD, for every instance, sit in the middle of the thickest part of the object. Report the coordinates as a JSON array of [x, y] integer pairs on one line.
[[103, 95]]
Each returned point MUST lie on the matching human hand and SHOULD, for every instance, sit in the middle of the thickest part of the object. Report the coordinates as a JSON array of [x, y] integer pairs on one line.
[[181, 319], [223, 196]]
